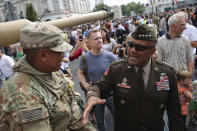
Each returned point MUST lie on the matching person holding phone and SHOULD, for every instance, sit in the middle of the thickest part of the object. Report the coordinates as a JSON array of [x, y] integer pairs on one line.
[[81, 48]]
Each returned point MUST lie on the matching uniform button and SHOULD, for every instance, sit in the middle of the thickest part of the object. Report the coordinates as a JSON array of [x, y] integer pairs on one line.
[[122, 102]]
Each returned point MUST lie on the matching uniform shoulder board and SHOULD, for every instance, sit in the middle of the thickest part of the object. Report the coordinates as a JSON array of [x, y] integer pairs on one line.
[[117, 62], [164, 63]]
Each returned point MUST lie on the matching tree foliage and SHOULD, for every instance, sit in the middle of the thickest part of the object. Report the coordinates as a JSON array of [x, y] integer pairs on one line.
[[124, 10], [138, 8], [100, 7], [31, 13]]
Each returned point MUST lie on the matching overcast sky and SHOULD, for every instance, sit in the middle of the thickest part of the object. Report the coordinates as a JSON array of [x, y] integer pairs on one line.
[[117, 2]]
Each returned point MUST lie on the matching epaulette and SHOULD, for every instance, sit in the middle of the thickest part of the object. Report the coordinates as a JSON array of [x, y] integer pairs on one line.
[[118, 61], [164, 63]]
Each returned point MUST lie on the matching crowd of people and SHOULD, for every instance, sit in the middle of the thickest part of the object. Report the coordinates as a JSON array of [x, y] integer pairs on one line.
[[142, 68]]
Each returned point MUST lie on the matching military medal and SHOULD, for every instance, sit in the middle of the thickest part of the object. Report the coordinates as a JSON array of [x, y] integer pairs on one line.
[[163, 84]]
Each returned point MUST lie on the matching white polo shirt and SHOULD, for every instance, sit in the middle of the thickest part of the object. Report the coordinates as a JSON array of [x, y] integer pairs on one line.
[[191, 33], [65, 65], [6, 64]]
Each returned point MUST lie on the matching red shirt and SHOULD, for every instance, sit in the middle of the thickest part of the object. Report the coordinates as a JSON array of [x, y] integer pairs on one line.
[[76, 55]]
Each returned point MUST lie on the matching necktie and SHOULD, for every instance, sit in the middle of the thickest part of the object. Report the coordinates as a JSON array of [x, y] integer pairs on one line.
[[141, 80]]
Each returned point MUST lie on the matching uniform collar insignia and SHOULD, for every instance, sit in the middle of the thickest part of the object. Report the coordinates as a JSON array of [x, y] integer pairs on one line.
[[124, 80]]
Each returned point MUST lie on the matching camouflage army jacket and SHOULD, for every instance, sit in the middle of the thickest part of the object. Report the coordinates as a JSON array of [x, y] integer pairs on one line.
[[26, 106]]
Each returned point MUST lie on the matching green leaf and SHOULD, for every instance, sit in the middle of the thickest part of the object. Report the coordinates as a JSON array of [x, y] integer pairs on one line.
[[31, 13]]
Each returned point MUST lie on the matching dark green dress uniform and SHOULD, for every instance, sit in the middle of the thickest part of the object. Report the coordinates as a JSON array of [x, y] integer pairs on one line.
[[135, 111]]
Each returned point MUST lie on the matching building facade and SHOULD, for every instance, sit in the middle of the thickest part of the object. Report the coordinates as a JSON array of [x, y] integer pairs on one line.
[[47, 9], [99, 2], [117, 12], [158, 6]]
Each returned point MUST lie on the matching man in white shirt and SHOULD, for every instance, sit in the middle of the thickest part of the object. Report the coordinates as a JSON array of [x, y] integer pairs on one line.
[[141, 19], [163, 24], [65, 69], [132, 26], [74, 33], [191, 33], [6, 64]]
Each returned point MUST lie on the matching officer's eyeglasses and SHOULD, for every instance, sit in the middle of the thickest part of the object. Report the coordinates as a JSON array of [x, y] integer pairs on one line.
[[139, 47]]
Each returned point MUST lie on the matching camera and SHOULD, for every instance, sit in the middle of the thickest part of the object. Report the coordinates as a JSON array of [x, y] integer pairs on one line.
[[80, 37], [120, 54]]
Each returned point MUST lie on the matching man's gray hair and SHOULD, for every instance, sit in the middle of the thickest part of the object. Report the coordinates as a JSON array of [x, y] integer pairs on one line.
[[174, 19], [184, 14]]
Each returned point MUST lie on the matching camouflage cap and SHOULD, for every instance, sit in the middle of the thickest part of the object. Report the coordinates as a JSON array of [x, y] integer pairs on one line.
[[43, 36], [145, 32]]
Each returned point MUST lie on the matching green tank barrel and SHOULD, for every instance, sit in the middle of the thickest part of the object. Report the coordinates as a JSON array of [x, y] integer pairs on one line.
[[10, 31]]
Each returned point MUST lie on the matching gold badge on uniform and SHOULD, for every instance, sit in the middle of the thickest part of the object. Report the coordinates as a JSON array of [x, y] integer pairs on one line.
[[124, 83], [161, 106], [122, 102]]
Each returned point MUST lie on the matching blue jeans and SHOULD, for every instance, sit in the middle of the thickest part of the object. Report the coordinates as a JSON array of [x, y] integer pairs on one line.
[[165, 118], [99, 113]]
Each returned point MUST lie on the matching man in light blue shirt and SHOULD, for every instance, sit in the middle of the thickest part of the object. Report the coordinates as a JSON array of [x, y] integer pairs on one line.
[[97, 61]]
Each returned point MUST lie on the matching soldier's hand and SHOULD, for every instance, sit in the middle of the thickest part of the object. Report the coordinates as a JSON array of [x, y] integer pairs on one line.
[[86, 85], [91, 102]]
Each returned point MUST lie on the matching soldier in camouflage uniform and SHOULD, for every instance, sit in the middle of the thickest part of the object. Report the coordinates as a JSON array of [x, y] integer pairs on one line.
[[37, 97]]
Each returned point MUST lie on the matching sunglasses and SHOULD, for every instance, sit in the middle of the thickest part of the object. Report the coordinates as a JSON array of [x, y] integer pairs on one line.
[[139, 47]]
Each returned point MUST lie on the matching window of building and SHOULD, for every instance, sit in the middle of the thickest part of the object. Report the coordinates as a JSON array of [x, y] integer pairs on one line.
[[73, 4], [65, 4], [80, 7], [44, 5], [56, 5], [84, 7], [77, 6], [1, 1]]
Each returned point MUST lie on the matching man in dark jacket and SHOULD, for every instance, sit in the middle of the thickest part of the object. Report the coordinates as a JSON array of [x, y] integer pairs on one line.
[[120, 34], [143, 88]]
